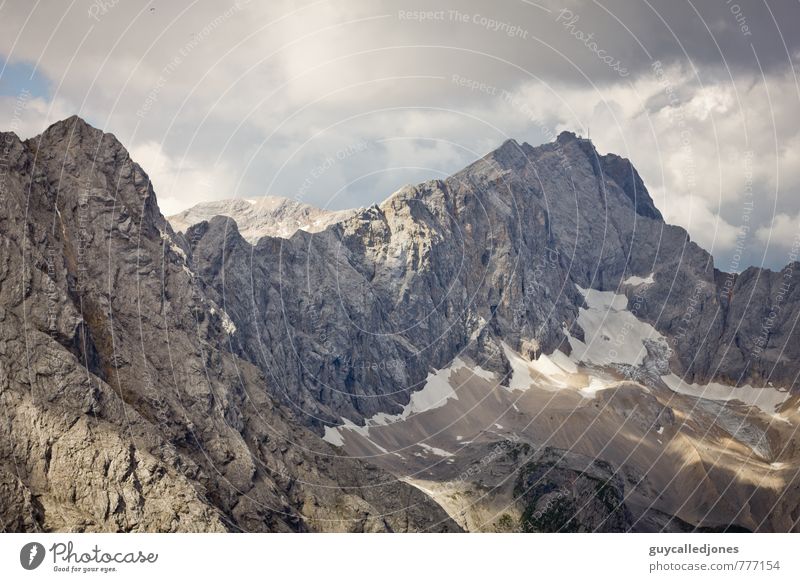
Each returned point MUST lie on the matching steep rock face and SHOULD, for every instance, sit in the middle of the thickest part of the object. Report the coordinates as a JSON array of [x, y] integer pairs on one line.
[[350, 321], [124, 409], [154, 381]]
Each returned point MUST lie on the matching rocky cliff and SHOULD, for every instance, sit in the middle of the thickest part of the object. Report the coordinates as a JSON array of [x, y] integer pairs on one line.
[[162, 381], [124, 408], [350, 321]]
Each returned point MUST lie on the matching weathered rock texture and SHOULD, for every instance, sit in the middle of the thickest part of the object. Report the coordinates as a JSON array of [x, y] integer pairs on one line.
[[154, 381], [492, 253], [123, 408], [263, 216]]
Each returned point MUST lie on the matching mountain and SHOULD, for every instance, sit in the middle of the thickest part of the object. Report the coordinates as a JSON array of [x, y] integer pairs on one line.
[[265, 216], [123, 407], [537, 294], [501, 250], [524, 346]]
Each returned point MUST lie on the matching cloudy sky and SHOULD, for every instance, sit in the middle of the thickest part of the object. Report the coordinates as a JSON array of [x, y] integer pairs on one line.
[[338, 103]]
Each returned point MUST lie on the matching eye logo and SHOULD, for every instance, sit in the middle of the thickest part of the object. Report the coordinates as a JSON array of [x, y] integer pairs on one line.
[[31, 555]]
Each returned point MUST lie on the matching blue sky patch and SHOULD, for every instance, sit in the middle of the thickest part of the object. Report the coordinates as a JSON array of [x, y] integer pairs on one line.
[[18, 76]]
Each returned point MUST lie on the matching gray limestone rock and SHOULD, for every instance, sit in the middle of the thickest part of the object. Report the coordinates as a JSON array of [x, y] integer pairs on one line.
[[155, 381], [126, 408]]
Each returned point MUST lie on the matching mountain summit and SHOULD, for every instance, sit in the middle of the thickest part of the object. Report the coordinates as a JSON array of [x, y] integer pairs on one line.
[[263, 216], [533, 309], [125, 408]]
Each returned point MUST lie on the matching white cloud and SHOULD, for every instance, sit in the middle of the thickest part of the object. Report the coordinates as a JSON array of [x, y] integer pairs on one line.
[[706, 227], [181, 183], [705, 156], [26, 116], [784, 232]]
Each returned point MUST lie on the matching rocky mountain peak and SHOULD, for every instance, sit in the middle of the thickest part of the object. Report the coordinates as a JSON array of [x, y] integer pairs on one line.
[[75, 134], [206, 366], [126, 408], [510, 155], [568, 136], [255, 218]]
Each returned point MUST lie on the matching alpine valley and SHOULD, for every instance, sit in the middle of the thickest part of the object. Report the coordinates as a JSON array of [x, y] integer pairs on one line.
[[523, 346]]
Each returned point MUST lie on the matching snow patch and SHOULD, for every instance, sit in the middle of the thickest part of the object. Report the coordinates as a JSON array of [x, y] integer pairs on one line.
[[520, 371], [481, 373], [634, 280], [436, 392], [549, 373], [564, 362], [478, 329], [595, 386], [435, 451], [333, 436], [227, 324], [614, 334], [767, 399], [545, 366]]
